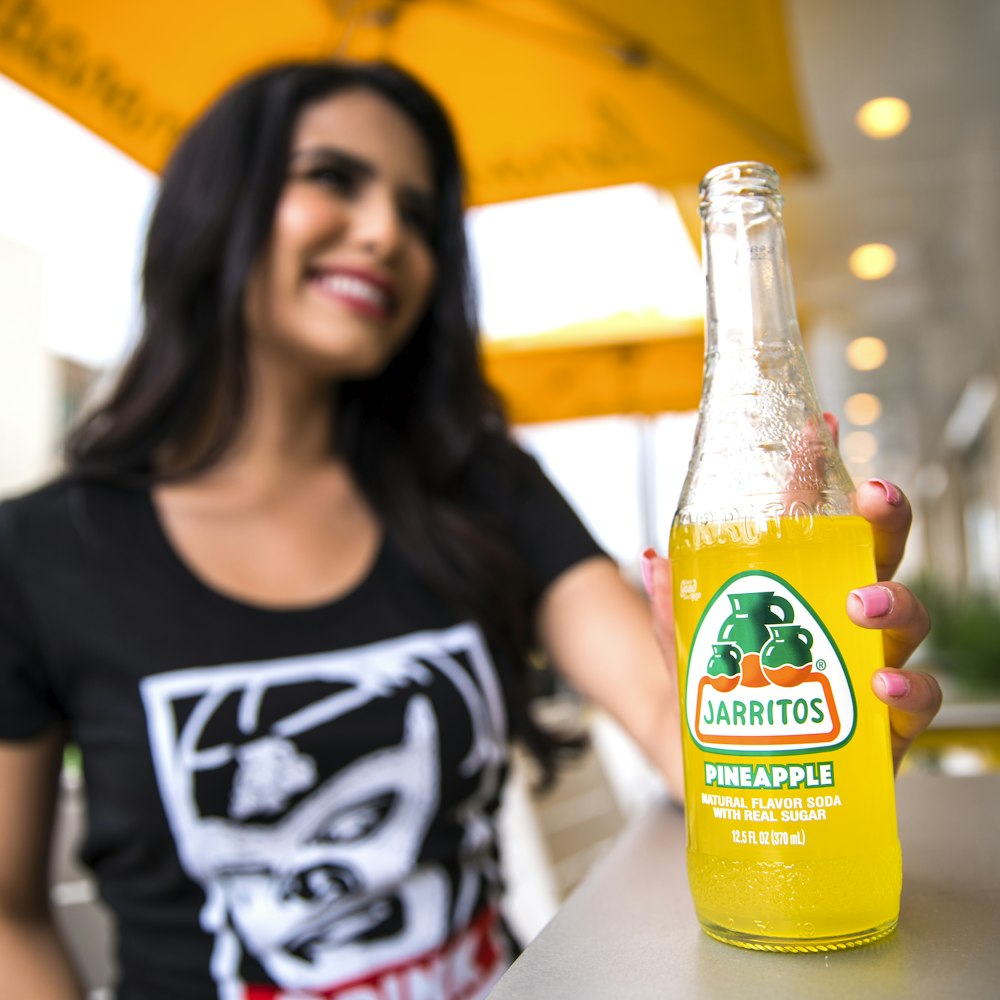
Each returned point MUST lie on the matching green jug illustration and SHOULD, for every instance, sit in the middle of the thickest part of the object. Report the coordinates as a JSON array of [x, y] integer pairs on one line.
[[725, 660], [789, 644], [752, 615]]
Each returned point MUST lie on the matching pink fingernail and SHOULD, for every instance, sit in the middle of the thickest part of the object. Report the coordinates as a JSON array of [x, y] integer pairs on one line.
[[894, 684], [893, 494], [646, 566], [833, 426], [875, 601]]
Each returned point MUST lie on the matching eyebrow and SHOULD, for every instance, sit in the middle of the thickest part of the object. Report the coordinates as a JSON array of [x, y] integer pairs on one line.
[[327, 153], [357, 165]]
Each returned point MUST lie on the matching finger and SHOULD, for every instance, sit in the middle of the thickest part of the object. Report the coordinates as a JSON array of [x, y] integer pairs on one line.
[[895, 610], [888, 511], [833, 426], [659, 586], [810, 450], [913, 698]]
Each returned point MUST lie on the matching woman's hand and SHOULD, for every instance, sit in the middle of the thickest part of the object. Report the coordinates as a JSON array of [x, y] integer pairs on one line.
[[913, 697]]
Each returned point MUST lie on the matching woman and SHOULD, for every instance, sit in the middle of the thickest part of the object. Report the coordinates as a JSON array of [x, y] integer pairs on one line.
[[281, 598]]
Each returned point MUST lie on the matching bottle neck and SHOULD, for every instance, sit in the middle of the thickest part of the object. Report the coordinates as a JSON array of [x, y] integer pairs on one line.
[[749, 303], [761, 444]]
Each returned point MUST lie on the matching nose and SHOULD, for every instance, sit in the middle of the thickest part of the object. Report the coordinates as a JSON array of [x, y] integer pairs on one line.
[[377, 225], [324, 883]]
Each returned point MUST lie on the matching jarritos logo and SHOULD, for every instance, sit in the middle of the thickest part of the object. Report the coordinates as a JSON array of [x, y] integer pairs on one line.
[[764, 674]]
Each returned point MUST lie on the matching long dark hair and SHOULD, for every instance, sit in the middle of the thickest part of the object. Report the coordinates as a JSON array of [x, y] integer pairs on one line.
[[409, 434]]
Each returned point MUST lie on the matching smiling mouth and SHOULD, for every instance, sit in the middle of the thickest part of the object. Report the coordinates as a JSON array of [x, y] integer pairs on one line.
[[366, 296]]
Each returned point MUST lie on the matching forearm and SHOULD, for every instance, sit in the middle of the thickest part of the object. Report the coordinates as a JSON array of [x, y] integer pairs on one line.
[[34, 961], [662, 746], [600, 635]]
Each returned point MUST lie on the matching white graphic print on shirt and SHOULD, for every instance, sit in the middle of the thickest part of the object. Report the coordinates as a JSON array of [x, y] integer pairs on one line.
[[301, 791]]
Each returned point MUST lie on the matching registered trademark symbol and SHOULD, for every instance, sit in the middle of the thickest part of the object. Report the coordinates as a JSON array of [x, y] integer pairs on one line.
[[821, 664]]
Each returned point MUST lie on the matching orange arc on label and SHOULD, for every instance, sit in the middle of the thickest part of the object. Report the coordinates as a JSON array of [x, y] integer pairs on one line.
[[730, 684]]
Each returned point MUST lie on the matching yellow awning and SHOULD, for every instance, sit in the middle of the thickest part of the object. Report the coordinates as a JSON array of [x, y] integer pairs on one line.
[[547, 96], [614, 366]]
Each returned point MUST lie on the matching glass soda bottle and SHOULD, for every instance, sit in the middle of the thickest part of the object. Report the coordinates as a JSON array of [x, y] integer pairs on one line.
[[791, 825]]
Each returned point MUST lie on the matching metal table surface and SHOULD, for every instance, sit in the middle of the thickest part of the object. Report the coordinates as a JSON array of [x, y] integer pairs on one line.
[[629, 931]]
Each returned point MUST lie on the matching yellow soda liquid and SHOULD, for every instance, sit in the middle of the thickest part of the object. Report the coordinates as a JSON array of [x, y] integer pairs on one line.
[[791, 823]]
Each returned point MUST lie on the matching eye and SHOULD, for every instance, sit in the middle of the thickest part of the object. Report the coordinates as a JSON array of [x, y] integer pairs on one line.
[[355, 822], [337, 178], [417, 213]]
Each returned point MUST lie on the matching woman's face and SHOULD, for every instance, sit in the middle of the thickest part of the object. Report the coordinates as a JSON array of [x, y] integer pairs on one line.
[[349, 268]]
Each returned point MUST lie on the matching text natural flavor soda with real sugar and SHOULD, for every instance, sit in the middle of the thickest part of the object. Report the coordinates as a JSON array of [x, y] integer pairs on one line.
[[792, 842]]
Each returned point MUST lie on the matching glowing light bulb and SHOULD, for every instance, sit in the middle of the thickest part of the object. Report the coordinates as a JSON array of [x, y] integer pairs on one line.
[[863, 409], [883, 117], [860, 447], [872, 261], [865, 354]]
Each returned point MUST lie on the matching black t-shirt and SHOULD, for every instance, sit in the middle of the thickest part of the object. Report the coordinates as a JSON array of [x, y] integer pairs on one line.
[[281, 802]]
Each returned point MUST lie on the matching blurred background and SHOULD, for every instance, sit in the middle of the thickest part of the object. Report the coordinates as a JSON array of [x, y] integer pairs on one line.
[[881, 118], [591, 303]]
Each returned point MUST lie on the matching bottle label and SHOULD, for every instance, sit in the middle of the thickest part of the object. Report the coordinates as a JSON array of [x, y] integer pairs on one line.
[[765, 675]]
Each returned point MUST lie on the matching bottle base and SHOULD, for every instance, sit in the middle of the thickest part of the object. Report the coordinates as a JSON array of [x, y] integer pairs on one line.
[[812, 906], [755, 942]]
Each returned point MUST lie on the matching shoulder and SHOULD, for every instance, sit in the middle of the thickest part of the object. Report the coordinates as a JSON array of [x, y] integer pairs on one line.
[[500, 473], [32, 525], [42, 504], [528, 509], [57, 514]]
